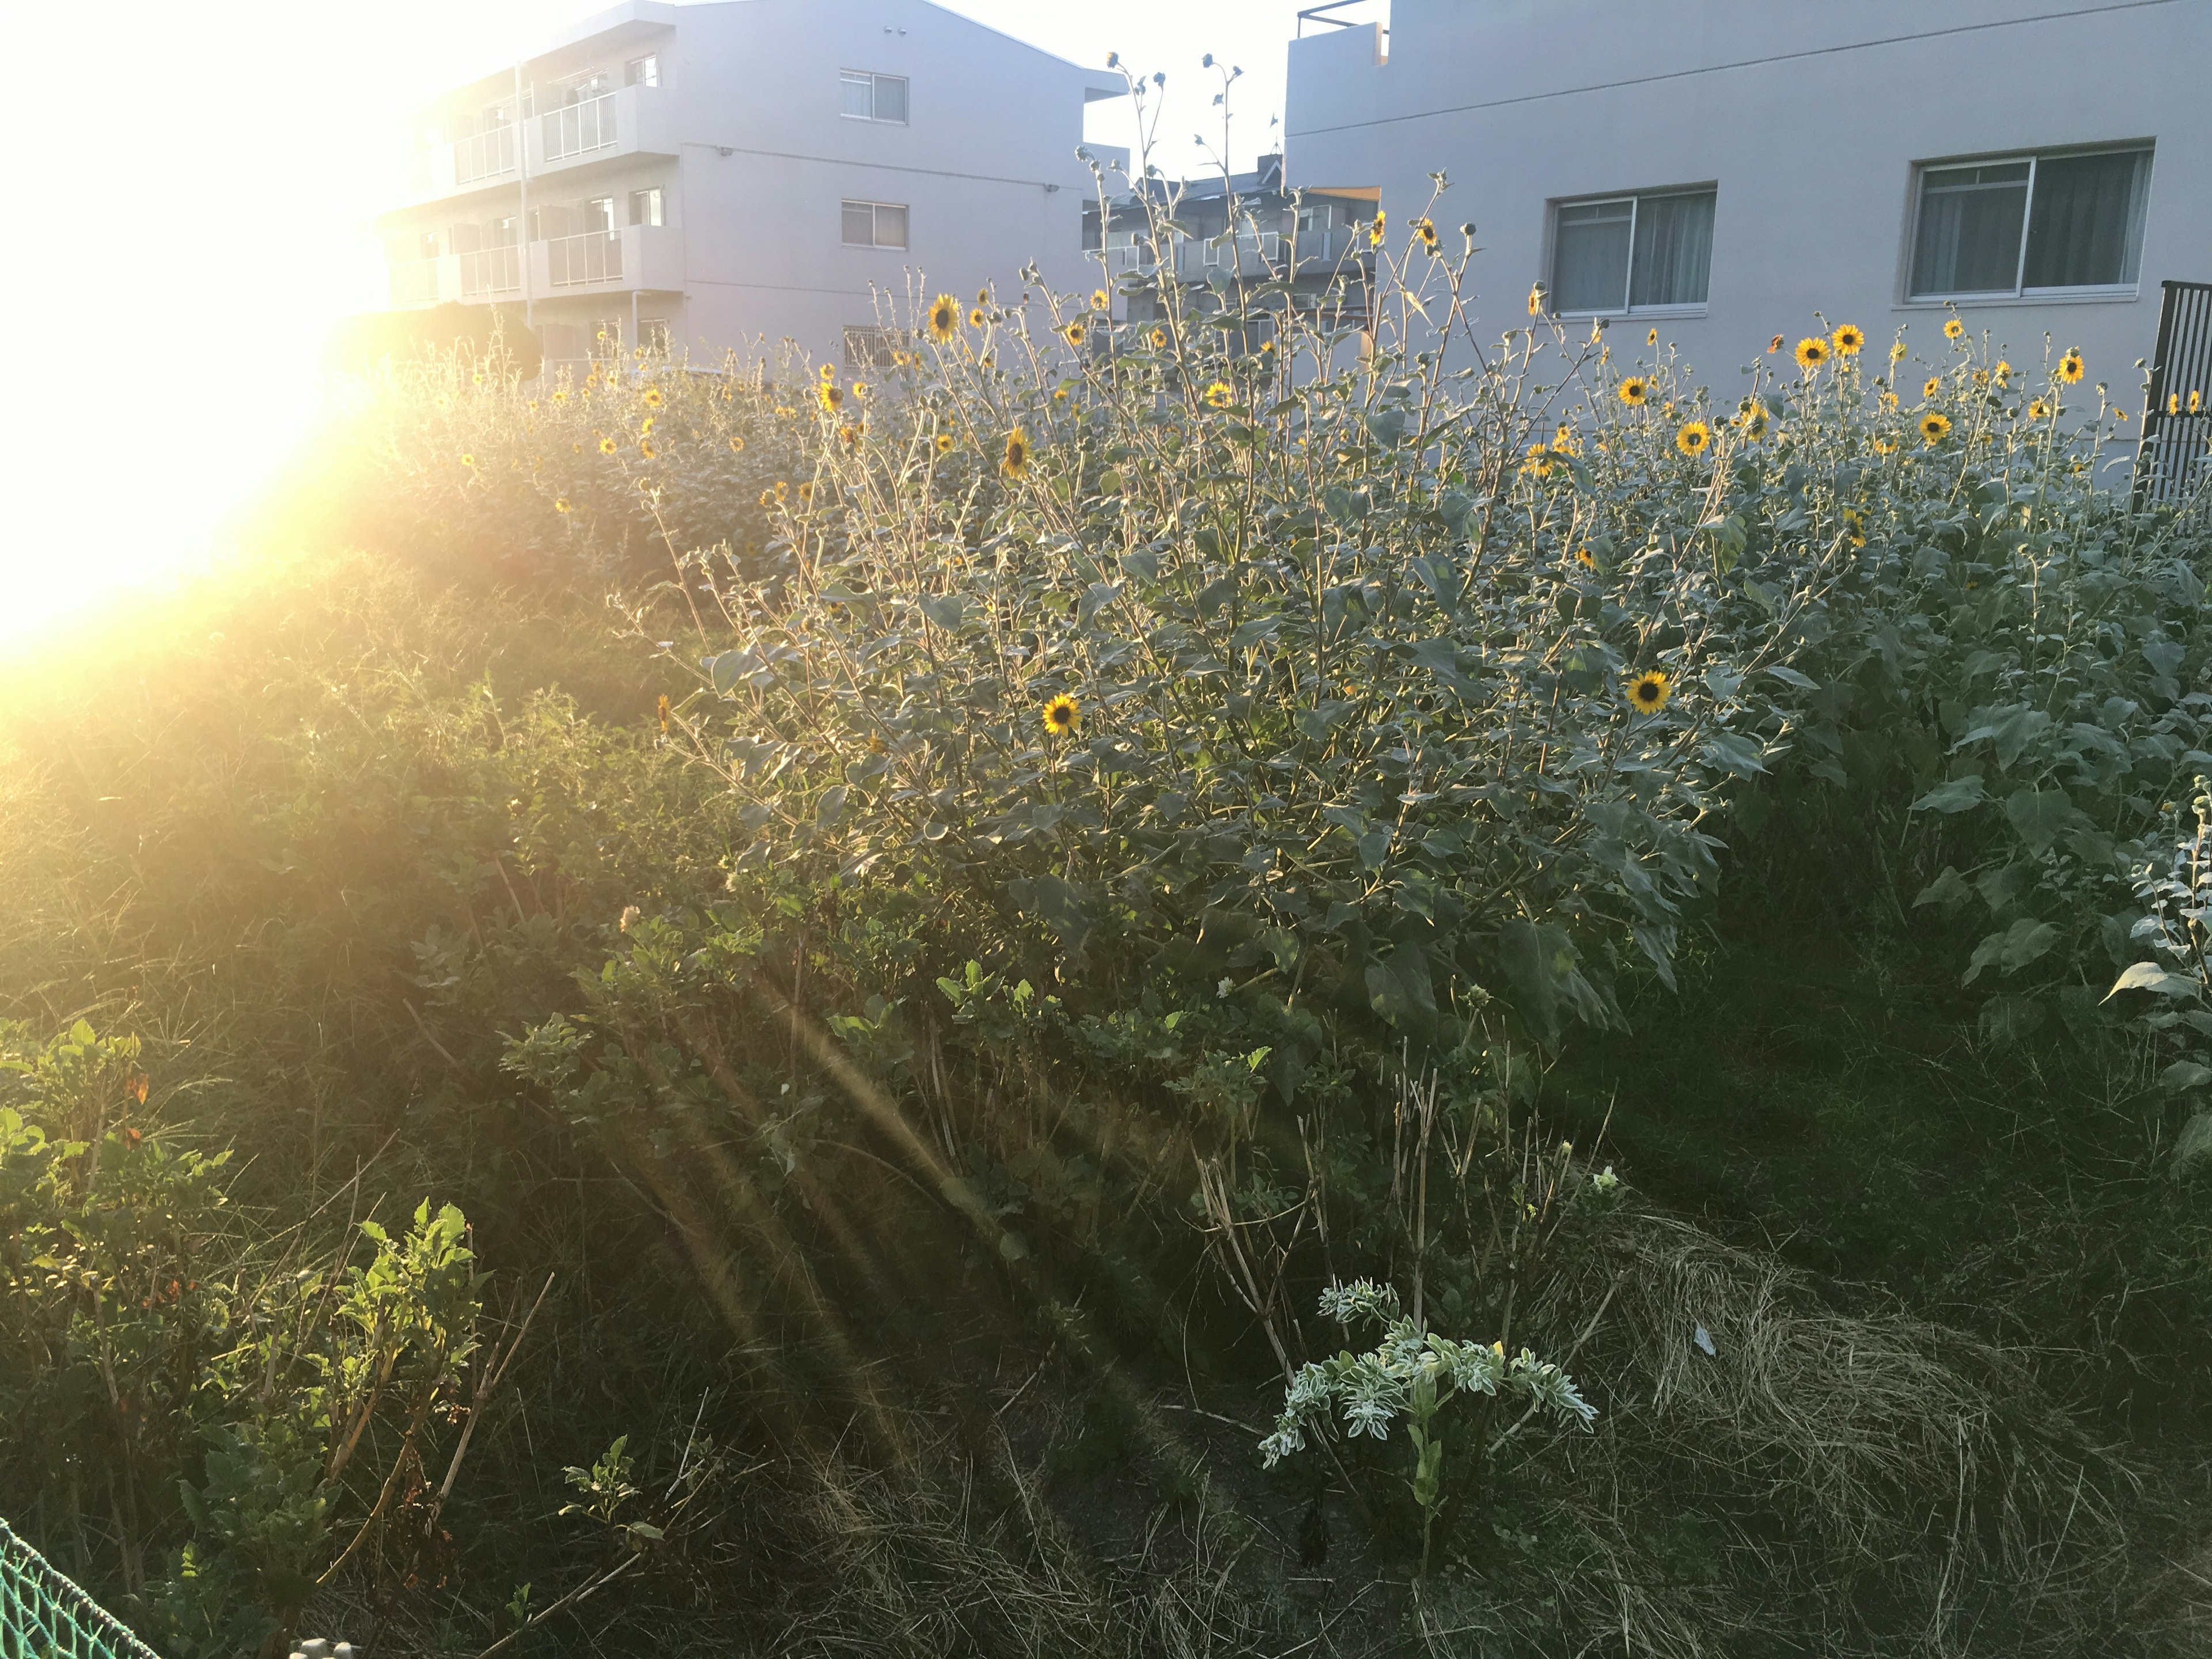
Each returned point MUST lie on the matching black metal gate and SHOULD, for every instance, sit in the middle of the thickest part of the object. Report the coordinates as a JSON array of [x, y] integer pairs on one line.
[[2173, 458]]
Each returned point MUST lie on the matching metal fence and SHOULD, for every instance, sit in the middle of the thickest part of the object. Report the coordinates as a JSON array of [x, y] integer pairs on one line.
[[44, 1616], [575, 128], [491, 270], [594, 257], [2173, 457], [483, 155]]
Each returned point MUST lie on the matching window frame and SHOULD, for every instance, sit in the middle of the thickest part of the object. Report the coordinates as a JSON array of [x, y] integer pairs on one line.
[[875, 79], [642, 71], [1635, 198], [2019, 292], [658, 193], [872, 346], [875, 211]]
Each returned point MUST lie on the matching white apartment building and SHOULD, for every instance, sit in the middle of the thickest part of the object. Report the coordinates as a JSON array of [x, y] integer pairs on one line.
[[1729, 168], [728, 175]]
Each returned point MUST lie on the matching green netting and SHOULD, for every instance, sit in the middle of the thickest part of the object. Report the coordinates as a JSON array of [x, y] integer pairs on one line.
[[44, 1616]]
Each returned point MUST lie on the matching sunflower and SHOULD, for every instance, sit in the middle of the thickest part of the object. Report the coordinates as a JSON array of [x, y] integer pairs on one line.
[[1897, 352], [737, 446], [2004, 371], [468, 460], [850, 433], [1585, 558], [2196, 402], [1563, 440], [2038, 410], [1848, 340], [606, 446], [2069, 368], [1075, 332], [807, 492], [1933, 426], [826, 372], [1651, 338], [1062, 715], [944, 443], [560, 504], [767, 498], [1016, 461], [1101, 299], [1424, 231], [1812, 351], [1648, 692], [1375, 231], [1217, 395], [832, 396], [1885, 445], [1539, 461], [1160, 339], [653, 397], [782, 487], [975, 317], [1536, 300], [983, 296], [943, 318], [645, 449], [1634, 391], [1693, 438], [560, 397], [1953, 329], [2174, 402], [1754, 421], [1931, 387], [645, 428], [1980, 377], [660, 707]]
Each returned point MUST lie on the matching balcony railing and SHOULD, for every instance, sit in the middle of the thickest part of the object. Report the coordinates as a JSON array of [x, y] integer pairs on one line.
[[594, 257], [574, 129], [490, 270], [415, 282], [483, 155]]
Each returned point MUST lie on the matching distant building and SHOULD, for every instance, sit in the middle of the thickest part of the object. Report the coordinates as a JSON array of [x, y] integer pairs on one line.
[[1323, 234], [699, 177], [1727, 169]]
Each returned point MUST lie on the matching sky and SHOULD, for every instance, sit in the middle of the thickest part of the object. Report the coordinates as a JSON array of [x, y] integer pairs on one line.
[[204, 215]]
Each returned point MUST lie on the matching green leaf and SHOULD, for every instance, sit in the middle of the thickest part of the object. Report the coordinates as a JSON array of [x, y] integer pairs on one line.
[[2014, 949], [2184, 1074], [2149, 976], [1959, 795]]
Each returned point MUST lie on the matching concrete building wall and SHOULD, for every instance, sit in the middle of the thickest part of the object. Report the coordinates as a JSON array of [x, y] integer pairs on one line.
[[746, 138], [1809, 119]]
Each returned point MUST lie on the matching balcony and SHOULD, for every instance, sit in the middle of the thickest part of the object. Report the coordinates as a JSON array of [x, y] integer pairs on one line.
[[484, 158], [628, 121], [1261, 255], [647, 258], [491, 272]]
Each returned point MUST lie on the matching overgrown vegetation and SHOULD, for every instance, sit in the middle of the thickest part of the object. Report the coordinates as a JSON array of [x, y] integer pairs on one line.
[[810, 1104]]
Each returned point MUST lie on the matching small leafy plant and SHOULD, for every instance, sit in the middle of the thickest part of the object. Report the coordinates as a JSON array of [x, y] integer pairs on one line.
[[1414, 1373]]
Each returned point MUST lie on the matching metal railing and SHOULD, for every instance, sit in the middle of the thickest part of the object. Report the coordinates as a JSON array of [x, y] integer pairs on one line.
[[42, 1615], [415, 281], [483, 155], [594, 257], [491, 270], [2173, 457], [1130, 256], [575, 128]]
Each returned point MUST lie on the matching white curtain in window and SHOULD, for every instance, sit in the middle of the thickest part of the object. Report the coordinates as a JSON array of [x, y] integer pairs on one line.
[[891, 227], [1674, 250], [2085, 228], [891, 98], [1589, 258], [1968, 237]]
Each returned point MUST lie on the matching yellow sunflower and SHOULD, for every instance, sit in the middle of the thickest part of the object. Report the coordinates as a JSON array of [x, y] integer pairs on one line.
[[1075, 332], [975, 317], [1375, 231], [653, 397], [1424, 232], [1774, 345], [1848, 340], [1585, 558], [1932, 387], [1897, 352], [1015, 462], [2069, 368], [1536, 300], [737, 446], [944, 443], [1160, 339], [1634, 391], [1812, 351], [660, 709], [832, 396], [1754, 421], [1218, 396], [1693, 438], [2038, 410], [1933, 426], [1648, 692], [1101, 299], [943, 318], [2196, 401], [2004, 371], [1953, 329], [606, 446], [1885, 445], [647, 450], [1062, 715], [560, 504]]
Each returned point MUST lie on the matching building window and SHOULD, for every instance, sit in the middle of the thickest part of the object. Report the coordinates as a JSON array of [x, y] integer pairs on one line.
[[642, 71], [874, 224], [645, 207], [599, 215], [873, 97], [653, 334], [1631, 253], [873, 348], [2031, 224]]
